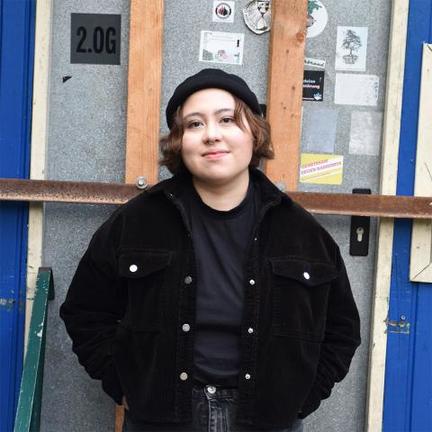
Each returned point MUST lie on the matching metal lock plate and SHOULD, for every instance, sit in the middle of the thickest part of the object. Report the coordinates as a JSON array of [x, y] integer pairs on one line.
[[359, 235]]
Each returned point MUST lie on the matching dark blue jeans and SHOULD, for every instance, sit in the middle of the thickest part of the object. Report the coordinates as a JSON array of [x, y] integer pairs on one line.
[[214, 410]]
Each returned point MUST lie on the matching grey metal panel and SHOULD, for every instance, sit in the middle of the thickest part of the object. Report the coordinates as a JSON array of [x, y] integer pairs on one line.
[[86, 142], [345, 410], [72, 401], [184, 21], [87, 134]]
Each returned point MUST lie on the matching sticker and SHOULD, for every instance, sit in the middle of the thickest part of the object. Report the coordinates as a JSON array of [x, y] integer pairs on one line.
[[221, 47], [365, 136], [319, 129], [313, 85], [321, 168], [317, 18], [95, 39], [354, 89], [223, 11], [257, 16], [351, 48], [312, 62]]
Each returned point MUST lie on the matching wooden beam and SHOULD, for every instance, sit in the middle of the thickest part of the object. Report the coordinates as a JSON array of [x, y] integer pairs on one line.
[[285, 88], [384, 250], [144, 99], [39, 140], [144, 90]]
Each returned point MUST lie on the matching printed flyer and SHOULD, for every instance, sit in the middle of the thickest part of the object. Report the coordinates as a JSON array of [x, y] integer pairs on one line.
[[321, 168]]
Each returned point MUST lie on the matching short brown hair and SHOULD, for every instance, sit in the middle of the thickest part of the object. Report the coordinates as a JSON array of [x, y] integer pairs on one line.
[[170, 145]]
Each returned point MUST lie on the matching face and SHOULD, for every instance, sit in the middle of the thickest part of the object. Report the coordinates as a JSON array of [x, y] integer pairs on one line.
[[214, 147]]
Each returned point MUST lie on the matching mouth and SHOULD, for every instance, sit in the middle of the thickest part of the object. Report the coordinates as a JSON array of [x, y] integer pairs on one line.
[[215, 154]]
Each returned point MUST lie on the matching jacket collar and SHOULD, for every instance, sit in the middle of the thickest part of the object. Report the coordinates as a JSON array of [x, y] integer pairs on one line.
[[176, 185]]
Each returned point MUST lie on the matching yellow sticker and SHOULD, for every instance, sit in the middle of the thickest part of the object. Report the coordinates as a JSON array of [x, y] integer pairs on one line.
[[321, 168]]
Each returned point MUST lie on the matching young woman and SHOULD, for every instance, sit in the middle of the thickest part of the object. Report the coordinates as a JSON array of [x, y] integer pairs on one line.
[[212, 301]]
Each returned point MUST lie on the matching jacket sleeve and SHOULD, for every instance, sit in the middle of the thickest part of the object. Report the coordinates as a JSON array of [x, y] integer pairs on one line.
[[93, 308], [341, 339]]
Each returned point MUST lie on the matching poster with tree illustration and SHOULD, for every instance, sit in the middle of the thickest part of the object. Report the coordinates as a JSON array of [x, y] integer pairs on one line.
[[351, 48]]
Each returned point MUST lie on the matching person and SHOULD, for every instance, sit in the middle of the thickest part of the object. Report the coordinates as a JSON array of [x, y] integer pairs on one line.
[[212, 301]]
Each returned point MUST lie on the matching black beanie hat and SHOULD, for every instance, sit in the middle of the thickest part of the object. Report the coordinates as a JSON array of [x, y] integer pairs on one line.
[[211, 78]]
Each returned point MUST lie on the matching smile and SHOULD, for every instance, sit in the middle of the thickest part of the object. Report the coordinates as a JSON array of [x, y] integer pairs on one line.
[[215, 154]]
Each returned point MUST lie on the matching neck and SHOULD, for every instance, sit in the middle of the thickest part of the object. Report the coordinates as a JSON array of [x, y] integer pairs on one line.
[[222, 196]]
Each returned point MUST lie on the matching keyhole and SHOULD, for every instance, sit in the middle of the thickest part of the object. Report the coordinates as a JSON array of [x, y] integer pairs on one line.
[[360, 232]]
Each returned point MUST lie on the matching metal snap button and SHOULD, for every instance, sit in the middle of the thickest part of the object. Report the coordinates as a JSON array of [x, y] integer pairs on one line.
[[133, 268], [188, 280], [250, 330], [251, 282], [211, 389], [306, 275], [185, 327], [247, 376], [184, 376]]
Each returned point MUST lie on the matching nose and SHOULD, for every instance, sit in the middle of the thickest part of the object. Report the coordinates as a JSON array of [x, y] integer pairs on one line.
[[212, 132]]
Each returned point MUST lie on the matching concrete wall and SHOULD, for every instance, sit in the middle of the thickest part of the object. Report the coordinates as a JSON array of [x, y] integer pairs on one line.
[[86, 142]]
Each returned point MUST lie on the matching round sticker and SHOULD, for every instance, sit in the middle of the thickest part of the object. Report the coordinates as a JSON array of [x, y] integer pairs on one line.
[[257, 16], [317, 18], [223, 10]]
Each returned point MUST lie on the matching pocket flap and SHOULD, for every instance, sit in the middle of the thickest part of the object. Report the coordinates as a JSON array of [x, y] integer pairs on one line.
[[309, 273], [137, 264]]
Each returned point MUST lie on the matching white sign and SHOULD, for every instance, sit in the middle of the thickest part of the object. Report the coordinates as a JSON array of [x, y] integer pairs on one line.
[[221, 47], [355, 89]]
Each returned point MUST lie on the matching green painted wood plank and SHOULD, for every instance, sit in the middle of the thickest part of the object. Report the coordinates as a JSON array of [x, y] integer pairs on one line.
[[29, 403]]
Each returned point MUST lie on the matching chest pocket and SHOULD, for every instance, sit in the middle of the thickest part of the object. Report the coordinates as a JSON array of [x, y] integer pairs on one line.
[[144, 273], [300, 292]]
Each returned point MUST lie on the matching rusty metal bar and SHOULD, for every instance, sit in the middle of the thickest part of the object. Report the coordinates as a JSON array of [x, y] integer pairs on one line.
[[116, 193], [366, 205], [66, 191]]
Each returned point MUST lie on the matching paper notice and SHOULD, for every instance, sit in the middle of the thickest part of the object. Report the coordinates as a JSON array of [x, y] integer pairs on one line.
[[321, 168], [313, 85], [319, 130], [221, 47], [355, 89], [351, 48], [365, 136]]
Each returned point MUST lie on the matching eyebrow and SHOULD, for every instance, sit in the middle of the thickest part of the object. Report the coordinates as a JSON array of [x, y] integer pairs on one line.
[[197, 113]]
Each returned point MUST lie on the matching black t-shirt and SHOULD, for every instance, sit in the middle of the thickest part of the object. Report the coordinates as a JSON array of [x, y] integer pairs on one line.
[[221, 241]]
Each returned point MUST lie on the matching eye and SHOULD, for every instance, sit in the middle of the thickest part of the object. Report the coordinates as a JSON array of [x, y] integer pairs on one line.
[[227, 120], [193, 124]]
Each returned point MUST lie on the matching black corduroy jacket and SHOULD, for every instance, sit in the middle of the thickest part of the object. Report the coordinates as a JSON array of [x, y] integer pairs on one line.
[[135, 288]]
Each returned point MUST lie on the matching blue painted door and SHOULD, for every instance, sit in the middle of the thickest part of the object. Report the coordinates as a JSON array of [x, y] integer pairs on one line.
[[408, 381], [16, 73]]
